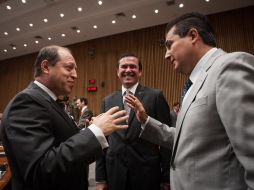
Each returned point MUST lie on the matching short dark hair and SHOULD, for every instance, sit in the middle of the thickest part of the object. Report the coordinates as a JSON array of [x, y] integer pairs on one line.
[[128, 54], [193, 20], [83, 99], [49, 53]]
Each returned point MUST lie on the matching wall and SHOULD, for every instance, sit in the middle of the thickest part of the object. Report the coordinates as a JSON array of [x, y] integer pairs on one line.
[[96, 59]]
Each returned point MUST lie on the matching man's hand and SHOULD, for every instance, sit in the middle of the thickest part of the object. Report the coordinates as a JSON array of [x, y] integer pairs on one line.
[[101, 186], [108, 121], [138, 108]]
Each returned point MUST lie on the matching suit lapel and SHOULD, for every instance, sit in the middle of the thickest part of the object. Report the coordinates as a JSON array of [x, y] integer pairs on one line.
[[43, 96], [191, 97]]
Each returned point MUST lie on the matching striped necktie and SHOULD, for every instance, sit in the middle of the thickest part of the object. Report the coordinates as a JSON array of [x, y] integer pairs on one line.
[[126, 107], [186, 87]]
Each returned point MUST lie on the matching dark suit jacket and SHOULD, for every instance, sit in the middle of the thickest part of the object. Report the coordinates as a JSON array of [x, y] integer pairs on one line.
[[44, 147], [129, 159], [87, 114]]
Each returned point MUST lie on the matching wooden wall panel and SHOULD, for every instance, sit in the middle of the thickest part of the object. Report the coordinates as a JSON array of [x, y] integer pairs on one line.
[[97, 59]]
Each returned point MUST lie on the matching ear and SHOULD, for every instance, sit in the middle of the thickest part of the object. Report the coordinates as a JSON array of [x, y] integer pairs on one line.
[[117, 72], [193, 34], [45, 66]]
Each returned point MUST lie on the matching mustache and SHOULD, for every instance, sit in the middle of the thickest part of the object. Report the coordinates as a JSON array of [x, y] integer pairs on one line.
[[129, 74]]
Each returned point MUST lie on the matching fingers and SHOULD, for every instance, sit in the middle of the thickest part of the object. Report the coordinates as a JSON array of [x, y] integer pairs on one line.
[[112, 110], [121, 127], [119, 114], [121, 119]]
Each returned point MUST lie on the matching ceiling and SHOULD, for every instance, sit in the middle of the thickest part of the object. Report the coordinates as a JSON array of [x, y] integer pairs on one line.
[[14, 43]]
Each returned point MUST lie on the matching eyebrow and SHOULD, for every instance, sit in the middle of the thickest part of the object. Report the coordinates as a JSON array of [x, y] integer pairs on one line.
[[168, 43]]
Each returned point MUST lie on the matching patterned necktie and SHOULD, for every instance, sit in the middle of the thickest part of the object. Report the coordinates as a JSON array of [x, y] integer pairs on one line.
[[126, 107], [186, 87]]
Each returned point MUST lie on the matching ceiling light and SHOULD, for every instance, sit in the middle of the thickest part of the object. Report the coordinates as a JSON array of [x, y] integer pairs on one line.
[[156, 11], [100, 2], [5, 33], [78, 31], [25, 45], [61, 15], [18, 29], [36, 41], [5, 50], [63, 35], [49, 38], [8, 7], [113, 21], [95, 26], [23, 1], [31, 25], [80, 9], [181, 5], [14, 47], [45, 20], [207, 0], [134, 16]]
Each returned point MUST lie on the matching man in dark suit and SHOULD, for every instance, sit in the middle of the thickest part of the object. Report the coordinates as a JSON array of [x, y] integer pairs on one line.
[[85, 113], [214, 135], [131, 163], [45, 149]]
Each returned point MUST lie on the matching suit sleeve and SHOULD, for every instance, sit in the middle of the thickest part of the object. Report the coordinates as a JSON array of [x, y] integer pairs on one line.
[[163, 115], [235, 105], [32, 140], [100, 169]]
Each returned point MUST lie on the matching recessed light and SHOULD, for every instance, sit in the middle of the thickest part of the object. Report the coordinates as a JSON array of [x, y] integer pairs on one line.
[[5, 33], [63, 35], [181, 5], [36, 41], [79, 9], [23, 1], [207, 0], [61, 15], [25, 45], [8, 7], [31, 24], [134, 16], [18, 29], [14, 47], [113, 21], [95, 26], [45, 20], [78, 31], [5, 50], [100, 2], [156, 11], [49, 38]]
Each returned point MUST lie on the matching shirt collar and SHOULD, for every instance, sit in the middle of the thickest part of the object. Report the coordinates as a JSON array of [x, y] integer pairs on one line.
[[201, 65], [44, 88], [132, 89]]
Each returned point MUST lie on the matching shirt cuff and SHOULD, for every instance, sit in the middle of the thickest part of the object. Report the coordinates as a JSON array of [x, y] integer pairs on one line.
[[99, 135], [144, 125]]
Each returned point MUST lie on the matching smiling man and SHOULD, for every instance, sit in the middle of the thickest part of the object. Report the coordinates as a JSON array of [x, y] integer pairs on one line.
[[131, 163], [44, 147]]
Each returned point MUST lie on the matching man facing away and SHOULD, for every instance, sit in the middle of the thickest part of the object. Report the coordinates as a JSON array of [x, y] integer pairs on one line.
[[214, 136], [45, 149], [131, 163]]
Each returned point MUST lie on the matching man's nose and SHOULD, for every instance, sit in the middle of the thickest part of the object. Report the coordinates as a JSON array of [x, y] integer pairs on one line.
[[74, 74]]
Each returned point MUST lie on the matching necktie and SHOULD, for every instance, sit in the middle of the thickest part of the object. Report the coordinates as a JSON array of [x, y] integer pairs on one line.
[[126, 107], [186, 87], [60, 104]]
